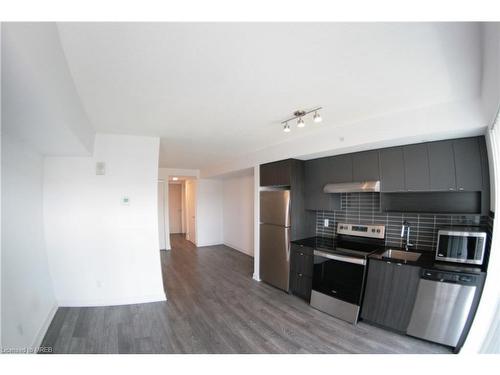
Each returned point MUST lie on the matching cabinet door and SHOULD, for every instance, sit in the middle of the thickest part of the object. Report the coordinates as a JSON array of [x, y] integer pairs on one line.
[[390, 294], [301, 285], [315, 180], [376, 296], [467, 164], [442, 166], [276, 174], [365, 166], [339, 169], [392, 177], [301, 262], [402, 296], [416, 161]]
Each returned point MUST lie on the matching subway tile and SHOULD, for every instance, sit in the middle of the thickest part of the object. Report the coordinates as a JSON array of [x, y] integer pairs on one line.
[[364, 208]]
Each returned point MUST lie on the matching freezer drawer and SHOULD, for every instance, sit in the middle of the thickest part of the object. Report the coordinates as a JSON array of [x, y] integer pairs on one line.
[[441, 310], [275, 255]]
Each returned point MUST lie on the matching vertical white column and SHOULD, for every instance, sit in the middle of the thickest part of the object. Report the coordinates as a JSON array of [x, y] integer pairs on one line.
[[484, 335], [256, 226]]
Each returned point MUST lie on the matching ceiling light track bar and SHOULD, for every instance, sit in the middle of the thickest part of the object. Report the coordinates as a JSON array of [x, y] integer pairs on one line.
[[298, 114]]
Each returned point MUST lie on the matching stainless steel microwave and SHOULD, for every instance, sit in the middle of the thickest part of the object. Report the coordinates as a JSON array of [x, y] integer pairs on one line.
[[461, 246]]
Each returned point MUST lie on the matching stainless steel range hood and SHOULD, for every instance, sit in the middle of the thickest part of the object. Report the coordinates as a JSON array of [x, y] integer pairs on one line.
[[353, 187]]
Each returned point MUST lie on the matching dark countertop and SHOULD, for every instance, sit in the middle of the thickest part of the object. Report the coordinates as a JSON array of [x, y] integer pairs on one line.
[[317, 242], [426, 260]]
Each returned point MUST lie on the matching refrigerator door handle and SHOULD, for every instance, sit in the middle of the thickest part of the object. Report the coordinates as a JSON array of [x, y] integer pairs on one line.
[[288, 244]]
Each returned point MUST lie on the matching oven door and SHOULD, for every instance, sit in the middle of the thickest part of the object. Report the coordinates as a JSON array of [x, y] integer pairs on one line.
[[339, 276]]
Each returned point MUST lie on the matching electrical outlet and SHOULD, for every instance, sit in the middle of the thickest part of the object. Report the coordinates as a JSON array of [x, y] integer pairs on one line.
[[326, 222], [126, 201]]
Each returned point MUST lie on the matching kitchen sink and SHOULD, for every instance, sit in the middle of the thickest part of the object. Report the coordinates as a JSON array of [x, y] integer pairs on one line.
[[402, 255]]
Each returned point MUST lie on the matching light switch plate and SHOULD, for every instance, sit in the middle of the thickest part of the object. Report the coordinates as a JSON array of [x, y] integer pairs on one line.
[[126, 201]]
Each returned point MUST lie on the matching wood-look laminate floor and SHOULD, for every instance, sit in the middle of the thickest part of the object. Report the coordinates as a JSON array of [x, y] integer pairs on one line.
[[214, 306]]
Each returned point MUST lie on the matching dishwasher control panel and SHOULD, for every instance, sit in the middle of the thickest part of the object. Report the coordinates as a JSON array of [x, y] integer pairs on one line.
[[449, 277]]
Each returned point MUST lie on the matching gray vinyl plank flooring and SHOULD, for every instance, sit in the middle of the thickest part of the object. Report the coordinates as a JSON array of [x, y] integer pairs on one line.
[[214, 306]]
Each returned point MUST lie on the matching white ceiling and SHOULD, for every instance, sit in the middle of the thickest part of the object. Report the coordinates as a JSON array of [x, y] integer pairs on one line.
[[214, 92]]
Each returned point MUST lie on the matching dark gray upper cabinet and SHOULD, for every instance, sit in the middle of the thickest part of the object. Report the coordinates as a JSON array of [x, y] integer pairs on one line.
[[416, 161], [441, 166], [339, 168], [390, 294], [316, 177], [468, 164], [392, 177], [365, 166], [278, 173]]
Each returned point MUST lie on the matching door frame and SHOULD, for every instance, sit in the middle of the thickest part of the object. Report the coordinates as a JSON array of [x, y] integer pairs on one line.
[[164, 191]]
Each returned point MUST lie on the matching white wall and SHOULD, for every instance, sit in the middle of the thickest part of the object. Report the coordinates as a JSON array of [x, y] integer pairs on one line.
[[102, 252], [209, 212], [238, 213], [41, 105], [28, 299]]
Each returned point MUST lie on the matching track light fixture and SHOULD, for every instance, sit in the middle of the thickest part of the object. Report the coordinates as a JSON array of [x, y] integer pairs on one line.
[[299, 115], [317, 117]]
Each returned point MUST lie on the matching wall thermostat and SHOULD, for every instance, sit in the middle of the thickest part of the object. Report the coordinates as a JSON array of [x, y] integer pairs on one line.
[[100, 168]]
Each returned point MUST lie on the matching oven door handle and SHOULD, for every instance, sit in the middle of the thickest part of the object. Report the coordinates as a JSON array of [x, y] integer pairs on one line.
[[340, 258]]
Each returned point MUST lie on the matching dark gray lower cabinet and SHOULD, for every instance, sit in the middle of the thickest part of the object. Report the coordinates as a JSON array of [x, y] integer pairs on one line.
[[301, 267], [301, 285], [390, 294]]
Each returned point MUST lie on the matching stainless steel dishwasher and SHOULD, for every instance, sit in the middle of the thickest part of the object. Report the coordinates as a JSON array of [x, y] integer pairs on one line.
[[443, 305]]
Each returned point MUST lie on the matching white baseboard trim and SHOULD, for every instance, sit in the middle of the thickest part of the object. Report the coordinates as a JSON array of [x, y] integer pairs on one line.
[[209, 244], [37, 341], [238, 249], [114, 302]]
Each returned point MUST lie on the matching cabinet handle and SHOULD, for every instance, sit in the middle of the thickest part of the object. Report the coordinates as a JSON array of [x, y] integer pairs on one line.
[[398, 264], [461, 188], [300, 275], [451, 189], [388, 262], [301, 253]]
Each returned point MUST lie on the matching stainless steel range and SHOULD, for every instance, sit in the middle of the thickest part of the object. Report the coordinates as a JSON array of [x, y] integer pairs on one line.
[[339, 270]]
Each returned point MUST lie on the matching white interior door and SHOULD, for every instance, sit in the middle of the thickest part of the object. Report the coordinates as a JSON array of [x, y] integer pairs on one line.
[[175, 208], [161, 215]]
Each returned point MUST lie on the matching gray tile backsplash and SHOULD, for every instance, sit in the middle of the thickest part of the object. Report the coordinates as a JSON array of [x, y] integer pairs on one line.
[[364, 208]]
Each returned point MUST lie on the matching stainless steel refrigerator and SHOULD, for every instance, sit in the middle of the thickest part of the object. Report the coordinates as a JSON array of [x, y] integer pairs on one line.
[[275, 237]]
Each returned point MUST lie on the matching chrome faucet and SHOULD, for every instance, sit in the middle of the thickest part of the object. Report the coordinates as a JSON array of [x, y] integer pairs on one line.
[[406, 225]]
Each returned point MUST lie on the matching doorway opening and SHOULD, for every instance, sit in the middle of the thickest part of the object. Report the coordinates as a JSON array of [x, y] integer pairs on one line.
[[176, 210]]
